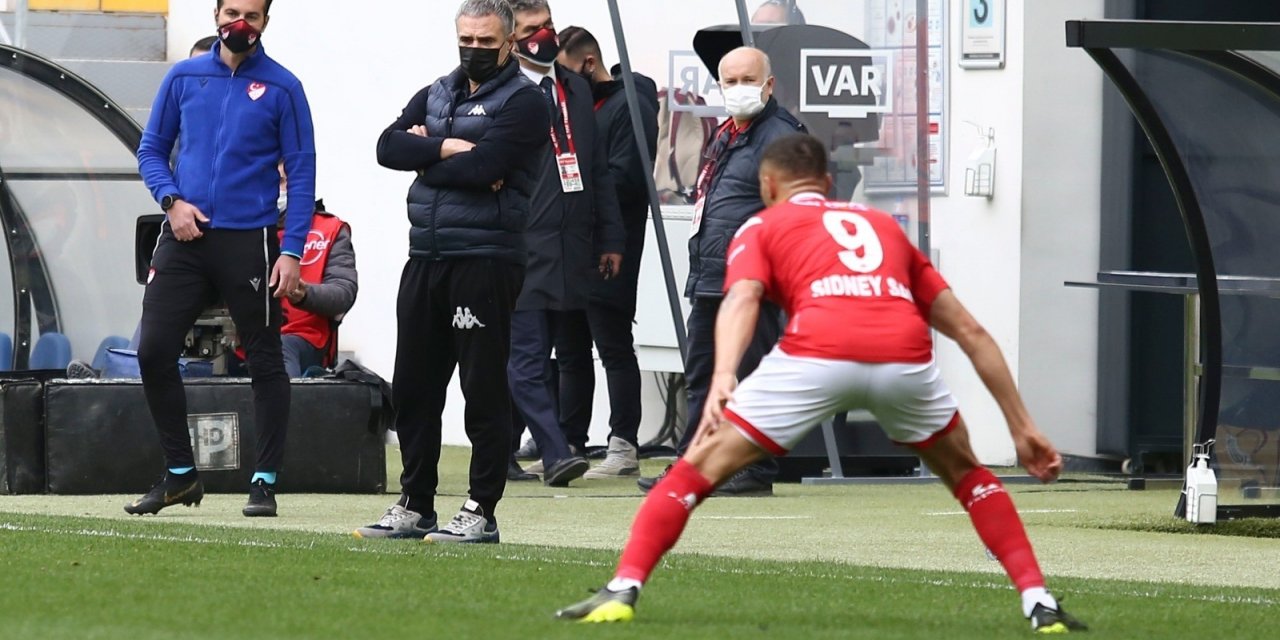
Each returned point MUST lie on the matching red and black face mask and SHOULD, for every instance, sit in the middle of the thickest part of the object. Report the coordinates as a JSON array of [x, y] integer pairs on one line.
[[238, 36], [541, 48]]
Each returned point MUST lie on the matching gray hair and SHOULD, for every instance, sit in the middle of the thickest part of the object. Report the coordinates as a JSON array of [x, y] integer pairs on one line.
[[520, 6], [483, 8]]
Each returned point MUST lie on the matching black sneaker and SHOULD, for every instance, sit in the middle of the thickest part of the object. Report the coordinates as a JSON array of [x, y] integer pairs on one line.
[[744, 484], [1046, 620], [646, 484], [81, 370], [562, 472], [185, 489], [262, 500]]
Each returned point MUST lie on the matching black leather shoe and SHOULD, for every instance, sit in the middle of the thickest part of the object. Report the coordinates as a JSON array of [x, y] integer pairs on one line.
[[646, 484], [516, 474], [262, 501], [744, 484], [565, 470]]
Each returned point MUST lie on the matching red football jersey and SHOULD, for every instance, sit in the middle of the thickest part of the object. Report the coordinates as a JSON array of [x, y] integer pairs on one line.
[[853, 286]]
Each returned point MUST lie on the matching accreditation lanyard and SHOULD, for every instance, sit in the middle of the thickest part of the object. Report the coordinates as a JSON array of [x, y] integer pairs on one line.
[[570, 172], [716, 150]]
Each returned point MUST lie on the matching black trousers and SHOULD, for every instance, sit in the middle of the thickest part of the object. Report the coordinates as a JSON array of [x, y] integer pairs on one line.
[[188, 277], [699, 365], [454, 313], [610, 330]]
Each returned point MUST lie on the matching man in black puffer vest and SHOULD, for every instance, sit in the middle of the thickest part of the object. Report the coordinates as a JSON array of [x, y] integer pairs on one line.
[[475, 138]]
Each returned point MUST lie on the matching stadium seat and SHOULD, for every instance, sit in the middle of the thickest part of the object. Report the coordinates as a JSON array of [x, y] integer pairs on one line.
[[109, 342], [52, 351], [6, 352]]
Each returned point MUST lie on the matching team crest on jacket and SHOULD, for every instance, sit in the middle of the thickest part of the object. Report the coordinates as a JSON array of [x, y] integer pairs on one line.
[[257, 90]]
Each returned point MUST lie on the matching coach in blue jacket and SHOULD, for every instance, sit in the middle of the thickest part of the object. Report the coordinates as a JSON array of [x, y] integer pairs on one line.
[[234, 115]]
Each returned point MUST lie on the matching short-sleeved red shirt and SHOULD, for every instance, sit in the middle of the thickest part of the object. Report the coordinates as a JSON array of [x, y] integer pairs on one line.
[[852, 284]]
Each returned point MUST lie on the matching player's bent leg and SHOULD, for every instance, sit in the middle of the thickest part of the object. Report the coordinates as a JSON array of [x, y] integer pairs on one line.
[[662, 519], [997, 523]]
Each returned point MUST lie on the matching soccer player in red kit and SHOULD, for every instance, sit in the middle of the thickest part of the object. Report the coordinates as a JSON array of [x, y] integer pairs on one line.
[[860, 301]]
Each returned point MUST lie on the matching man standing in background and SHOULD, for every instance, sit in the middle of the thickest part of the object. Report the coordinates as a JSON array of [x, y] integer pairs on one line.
[[728, 194], [612, 307], [574, 236], [475, 138], [237, 114]]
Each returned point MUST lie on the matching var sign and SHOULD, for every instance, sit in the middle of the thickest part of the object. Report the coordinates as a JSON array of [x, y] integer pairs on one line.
[[846, 83]]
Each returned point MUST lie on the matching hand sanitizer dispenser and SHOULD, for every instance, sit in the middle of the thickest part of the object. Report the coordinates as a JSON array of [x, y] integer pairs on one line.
[[1201, 488]]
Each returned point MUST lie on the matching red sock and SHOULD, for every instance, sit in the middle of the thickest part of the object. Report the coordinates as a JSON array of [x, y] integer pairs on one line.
[[661, 520], [999, 527]]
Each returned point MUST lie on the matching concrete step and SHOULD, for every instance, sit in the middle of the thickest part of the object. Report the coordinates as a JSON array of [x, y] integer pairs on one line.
[[131, 84], [93, 36]]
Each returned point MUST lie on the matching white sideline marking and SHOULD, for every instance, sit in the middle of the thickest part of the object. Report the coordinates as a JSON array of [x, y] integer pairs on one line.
[[960, 513], [756, 518], [445, 550]]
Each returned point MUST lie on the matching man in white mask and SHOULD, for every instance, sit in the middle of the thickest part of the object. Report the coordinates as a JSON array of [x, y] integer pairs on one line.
[[728, 194]]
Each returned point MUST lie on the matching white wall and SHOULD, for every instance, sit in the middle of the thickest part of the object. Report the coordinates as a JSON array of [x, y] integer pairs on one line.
[[1062, 149], [359, 68]]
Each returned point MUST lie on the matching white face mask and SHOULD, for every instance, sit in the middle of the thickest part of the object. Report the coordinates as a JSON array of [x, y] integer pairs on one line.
[[743, 100], [282, 203]]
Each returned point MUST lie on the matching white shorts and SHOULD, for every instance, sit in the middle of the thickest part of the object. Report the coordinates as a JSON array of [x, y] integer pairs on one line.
[[787, 395]]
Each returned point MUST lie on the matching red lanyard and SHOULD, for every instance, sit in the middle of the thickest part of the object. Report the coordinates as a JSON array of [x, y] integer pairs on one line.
[[708, 171], [568, 131]]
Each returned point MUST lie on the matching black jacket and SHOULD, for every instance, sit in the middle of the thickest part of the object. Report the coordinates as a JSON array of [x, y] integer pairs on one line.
[[613, 122], [732, 196], [453, 209], [567, 232]]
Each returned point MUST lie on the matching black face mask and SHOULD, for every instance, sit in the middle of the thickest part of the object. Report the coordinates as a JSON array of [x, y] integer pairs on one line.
[[479, 64], [540, 48], [238, 36]]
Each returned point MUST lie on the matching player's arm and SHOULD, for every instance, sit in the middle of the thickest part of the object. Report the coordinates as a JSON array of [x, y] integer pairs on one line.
[[735, 325], [954, 321]]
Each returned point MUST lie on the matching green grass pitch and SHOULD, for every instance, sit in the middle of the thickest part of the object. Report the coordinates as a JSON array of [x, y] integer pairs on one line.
[[813, 562]]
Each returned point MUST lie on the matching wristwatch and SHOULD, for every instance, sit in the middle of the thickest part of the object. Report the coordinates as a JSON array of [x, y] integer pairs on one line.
[[166, 203]]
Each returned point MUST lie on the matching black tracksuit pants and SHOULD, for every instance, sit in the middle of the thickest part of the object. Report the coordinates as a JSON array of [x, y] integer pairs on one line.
[[700, 362], [186, 278], [610, 329], [454, 313]]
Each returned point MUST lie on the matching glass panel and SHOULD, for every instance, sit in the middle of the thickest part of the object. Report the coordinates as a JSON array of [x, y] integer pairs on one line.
[[843, 67], [84, 234], [42, 131], [1223, 127]]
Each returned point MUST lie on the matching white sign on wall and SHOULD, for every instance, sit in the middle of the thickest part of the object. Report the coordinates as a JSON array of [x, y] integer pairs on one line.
[[982, 34]]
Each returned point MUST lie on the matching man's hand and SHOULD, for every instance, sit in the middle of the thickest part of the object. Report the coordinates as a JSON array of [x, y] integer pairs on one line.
[[418, 130], [718, 395], [454, 146], [299, 293], [183, 217], [610, 263], [284, 276], [1037, 455], [497, 186]]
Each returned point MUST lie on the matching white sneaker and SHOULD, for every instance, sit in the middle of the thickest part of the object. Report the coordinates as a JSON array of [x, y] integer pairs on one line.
[[469, 525], [620, 461], [398, 522]]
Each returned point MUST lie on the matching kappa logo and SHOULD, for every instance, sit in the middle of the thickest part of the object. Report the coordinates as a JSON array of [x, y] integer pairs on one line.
[[464, 319], [982, 492], [256, 282], [257, 90], [477, 110]]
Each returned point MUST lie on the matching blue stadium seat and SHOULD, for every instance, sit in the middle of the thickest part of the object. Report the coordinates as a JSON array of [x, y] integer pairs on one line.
[[109, 342], [52, 351], [6, 352]]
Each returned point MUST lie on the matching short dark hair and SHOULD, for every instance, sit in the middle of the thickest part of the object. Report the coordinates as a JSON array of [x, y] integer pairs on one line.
[[204, 44], [798, 155], [266, 11], [520, 6], [578, 41]]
